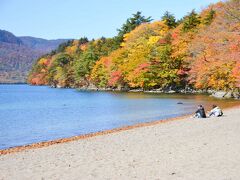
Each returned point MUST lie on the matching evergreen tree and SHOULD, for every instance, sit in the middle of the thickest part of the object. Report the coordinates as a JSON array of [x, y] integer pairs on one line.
[[83, 40], [191, 21], [62, 46], [169, 19], [131, 24], [209, 18]]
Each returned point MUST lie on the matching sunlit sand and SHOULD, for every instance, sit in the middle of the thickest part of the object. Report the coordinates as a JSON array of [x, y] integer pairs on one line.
[[183, 149]]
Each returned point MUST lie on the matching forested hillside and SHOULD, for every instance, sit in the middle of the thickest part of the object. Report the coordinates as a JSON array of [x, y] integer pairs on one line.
[[201, 51], [18, 54]]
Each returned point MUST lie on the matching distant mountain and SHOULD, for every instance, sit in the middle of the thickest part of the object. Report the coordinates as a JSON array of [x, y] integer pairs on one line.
[[8, 37], [18, 54], [41, 44]]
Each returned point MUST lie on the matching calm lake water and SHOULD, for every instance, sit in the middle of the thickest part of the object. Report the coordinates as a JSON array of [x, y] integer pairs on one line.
[[30, 114]]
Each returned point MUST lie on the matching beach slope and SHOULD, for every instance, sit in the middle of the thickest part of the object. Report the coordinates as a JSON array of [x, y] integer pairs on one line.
[[183, 149]]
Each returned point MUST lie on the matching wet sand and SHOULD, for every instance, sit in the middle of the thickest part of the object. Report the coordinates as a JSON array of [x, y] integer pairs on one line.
[[181, 148]]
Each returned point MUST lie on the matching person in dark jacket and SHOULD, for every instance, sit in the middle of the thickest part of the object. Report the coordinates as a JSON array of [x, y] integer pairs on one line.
[[200, 113]]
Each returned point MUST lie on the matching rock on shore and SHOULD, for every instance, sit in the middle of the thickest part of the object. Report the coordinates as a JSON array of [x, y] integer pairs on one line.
[[223, 94]]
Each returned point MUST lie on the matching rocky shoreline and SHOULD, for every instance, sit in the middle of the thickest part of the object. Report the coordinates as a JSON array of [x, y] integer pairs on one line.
[[213, 93]]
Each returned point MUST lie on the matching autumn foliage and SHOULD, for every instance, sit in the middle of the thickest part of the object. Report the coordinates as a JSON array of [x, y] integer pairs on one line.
[[201, 51]]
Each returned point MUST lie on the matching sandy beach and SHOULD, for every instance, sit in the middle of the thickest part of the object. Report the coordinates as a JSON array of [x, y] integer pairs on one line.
[[178, 149]]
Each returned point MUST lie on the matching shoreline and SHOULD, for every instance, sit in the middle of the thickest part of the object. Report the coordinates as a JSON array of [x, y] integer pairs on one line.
[[86, 136], [100, 133], [211, 93]]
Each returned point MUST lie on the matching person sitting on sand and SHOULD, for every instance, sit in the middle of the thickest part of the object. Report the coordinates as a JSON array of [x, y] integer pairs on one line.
[[200, 113], [216, 111]]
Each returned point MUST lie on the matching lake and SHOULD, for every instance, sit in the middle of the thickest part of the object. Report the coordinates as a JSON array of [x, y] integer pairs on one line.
[[30, 114]]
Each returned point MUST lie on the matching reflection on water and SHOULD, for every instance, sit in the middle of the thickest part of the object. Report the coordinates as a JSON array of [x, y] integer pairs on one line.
[[31, 114]]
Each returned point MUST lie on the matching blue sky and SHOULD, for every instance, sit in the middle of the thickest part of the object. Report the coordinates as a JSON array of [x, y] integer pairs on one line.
[[52, 19]]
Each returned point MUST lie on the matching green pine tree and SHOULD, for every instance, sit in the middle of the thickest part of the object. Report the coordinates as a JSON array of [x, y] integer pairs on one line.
[[191, 21], [169, 19]]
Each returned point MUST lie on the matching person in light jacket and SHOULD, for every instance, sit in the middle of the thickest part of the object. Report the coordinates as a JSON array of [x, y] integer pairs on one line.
[[216, 111]]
